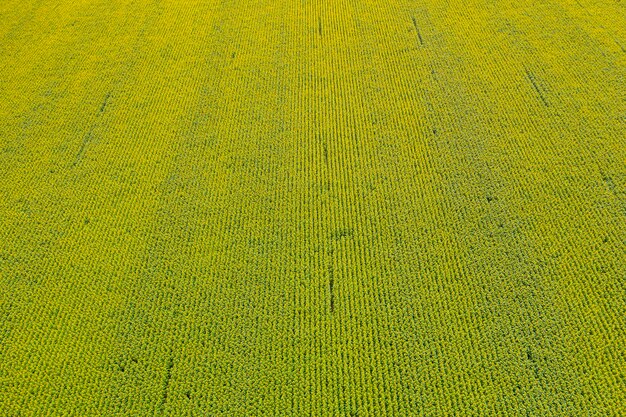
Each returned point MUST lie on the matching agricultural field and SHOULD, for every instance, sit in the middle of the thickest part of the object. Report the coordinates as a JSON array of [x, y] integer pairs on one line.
[[307, 208]]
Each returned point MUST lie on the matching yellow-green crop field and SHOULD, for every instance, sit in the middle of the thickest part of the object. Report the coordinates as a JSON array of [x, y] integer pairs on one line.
[[312, 208]]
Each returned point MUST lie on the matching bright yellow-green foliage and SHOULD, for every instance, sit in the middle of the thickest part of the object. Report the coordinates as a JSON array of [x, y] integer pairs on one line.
[[309, 208]]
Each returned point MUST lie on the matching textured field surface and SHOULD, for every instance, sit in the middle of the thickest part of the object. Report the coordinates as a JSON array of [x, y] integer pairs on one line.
[[307, 208]]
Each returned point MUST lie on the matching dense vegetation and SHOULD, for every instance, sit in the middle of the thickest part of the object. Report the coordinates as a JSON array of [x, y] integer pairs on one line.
[[308, 208]]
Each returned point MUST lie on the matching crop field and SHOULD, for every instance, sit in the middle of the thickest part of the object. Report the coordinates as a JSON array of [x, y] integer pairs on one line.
[[307, 208]]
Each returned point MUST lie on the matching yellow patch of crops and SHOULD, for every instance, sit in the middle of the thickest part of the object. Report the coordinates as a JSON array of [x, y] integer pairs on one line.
[[297, 208]]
